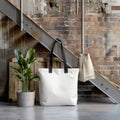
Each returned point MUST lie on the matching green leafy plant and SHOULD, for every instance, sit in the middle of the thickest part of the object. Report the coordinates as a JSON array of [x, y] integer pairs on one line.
[[23, 70]]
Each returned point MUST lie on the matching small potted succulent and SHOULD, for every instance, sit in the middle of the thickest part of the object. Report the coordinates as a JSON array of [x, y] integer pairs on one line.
[[23, 71]]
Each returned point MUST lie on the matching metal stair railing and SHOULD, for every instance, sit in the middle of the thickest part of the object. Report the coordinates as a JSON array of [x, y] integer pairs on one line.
[[46, 40], [106, 87], [35, 31]]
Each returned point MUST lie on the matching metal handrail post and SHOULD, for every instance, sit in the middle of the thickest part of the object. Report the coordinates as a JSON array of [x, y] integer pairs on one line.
[[83, 39], [77, 7], [21, 8]]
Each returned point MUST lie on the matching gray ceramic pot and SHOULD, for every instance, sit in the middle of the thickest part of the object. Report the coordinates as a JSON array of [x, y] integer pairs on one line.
[[25, 99]]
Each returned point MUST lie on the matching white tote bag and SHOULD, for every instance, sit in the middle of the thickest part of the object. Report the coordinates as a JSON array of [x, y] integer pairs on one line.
[[86, 68], [58, 86]]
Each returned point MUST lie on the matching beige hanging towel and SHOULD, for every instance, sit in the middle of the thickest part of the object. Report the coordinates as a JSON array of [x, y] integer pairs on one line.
[[86, 68]]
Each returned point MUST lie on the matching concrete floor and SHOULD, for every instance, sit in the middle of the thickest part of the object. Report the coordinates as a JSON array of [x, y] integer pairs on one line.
[[88, 110]]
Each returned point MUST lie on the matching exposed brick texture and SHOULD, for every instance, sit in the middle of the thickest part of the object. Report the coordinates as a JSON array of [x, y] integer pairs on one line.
[[102, 32]]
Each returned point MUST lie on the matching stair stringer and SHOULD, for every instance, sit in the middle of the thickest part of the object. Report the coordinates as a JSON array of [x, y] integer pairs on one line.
[[37, 32]]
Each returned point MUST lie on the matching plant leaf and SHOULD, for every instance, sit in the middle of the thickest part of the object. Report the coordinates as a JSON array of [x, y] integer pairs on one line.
[[35, 78], [30, 56]]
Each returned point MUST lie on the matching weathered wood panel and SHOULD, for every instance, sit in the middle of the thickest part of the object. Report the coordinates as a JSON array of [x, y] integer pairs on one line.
[[11, 38], [3, 56], [14, 83]]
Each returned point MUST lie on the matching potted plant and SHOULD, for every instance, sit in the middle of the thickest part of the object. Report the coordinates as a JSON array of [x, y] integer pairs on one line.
[[23, 71]]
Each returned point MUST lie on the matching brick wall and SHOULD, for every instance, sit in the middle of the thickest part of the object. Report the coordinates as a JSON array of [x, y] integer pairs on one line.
[[62, 22], [102, 32], [102, 35]]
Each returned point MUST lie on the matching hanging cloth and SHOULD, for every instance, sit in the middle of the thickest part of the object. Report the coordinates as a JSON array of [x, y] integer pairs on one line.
[[86, 68], [85, 63]]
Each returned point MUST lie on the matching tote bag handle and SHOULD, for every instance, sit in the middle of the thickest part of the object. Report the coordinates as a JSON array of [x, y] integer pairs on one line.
[[63, 56]]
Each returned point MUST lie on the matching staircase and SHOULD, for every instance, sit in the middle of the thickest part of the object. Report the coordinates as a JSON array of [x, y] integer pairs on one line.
[[46, 40]]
